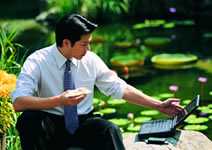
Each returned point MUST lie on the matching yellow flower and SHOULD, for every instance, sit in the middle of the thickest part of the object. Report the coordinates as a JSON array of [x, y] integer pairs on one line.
[[7, 84]]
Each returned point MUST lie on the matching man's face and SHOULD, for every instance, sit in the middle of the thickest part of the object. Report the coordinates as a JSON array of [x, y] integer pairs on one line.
[[79, 49]]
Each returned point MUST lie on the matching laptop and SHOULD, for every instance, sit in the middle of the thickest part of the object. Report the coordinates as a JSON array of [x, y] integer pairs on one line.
[[167, 127]]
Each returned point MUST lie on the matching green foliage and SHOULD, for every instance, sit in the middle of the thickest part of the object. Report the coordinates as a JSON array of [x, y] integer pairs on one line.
[[65, 6], [8, 49], [13, 140], [97, 9], [7, 115], [102, 7]]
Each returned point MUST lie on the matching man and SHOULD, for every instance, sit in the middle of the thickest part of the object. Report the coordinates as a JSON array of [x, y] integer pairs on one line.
[[42, 87]]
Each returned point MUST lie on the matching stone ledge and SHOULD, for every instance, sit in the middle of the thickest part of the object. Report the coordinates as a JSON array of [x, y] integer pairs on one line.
[[183, 140]]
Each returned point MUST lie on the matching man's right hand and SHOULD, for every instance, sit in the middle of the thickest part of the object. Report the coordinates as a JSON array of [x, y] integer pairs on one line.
[[71, 100]]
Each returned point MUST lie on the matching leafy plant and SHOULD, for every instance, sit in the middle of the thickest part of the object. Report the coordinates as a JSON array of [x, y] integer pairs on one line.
[[7, 114], [100, 9], [8, 49], [12, 139], [65, 5]]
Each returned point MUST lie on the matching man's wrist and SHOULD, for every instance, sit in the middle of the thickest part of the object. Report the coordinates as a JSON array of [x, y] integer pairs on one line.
[[57, 100], [157, 104]]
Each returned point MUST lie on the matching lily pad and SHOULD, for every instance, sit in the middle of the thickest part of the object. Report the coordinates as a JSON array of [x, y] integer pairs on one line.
[[173, 67], [196, 127], [115, 102], [107, 110], [127, 60], [165, 95], [185, 102], [210, 117], [192, 116], [156, 41], [207, 35], [149, 23], [133, 128], [169, 25], [198, 120], [96, 101], [207, 111], [123, 44], [173, 59], [210, 93], [150, 112], [98, 113], [203, 108], [121, 122], [185, 22], [210, 106], [206, 65], [142, 119]]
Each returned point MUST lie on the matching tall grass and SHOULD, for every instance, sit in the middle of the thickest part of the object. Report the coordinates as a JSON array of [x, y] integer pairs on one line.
[[8, 49], [12, 139]]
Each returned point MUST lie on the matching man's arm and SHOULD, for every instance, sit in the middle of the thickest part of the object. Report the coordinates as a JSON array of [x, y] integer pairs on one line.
[[37, 103], [169, 107]]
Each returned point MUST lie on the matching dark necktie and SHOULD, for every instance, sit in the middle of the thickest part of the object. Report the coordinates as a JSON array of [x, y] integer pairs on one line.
[[70, 112]]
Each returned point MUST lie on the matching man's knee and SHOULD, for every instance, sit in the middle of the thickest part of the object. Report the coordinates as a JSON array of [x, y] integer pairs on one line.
[[29, 121]]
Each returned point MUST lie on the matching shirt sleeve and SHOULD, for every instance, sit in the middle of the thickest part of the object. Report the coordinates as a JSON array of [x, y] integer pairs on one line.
[[27, 81], [107, 80]]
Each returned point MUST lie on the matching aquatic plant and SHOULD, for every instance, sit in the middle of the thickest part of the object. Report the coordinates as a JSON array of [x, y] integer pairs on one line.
[[173, 88], [121, 122], [202, 80], [133, 128], [149, 112], [115, 102], [130, 116], [196, 127], [142, 119]]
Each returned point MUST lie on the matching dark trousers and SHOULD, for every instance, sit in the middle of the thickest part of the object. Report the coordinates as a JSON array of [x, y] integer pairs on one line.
[[44, 131]]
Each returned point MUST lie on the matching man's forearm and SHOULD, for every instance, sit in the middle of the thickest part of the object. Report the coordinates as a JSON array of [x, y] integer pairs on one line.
[[135, 96], [35, 103]]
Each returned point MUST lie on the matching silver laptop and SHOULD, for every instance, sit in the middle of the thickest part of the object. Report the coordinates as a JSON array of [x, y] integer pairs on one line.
[[167, 127]]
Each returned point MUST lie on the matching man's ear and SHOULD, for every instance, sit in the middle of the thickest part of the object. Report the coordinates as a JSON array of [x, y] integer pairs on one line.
[[67, 43]]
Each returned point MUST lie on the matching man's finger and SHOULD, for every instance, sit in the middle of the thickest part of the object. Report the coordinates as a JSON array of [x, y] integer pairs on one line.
[[80, 97]]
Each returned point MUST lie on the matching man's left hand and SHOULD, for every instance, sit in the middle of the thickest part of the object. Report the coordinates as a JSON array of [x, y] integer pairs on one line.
[[171, 107]]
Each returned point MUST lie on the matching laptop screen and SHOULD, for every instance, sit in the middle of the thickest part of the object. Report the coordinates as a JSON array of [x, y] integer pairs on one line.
[[188, 110]]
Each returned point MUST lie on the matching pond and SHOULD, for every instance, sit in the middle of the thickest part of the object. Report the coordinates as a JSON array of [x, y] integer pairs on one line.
[[128, 50]]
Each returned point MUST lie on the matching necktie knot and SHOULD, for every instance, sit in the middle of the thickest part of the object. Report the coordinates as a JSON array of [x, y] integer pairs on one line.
[[68, 64]]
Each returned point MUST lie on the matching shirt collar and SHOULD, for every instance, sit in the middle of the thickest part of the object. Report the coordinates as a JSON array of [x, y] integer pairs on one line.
[[60, 59]]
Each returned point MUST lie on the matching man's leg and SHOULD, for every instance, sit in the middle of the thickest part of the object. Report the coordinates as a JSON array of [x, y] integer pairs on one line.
[[42, 131], [97, 133]]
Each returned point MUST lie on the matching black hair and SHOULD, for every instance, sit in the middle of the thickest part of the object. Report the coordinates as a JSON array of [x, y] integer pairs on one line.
[[72, 27]]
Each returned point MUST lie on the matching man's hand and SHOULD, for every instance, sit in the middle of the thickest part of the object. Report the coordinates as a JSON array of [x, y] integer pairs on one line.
[[72, 100], [171, 107]]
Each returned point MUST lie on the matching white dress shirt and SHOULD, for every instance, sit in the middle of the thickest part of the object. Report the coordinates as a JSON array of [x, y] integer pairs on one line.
[[43, 71]]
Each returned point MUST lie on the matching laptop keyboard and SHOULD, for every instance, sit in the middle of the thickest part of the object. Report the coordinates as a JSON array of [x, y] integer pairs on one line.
[[157, 126]]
